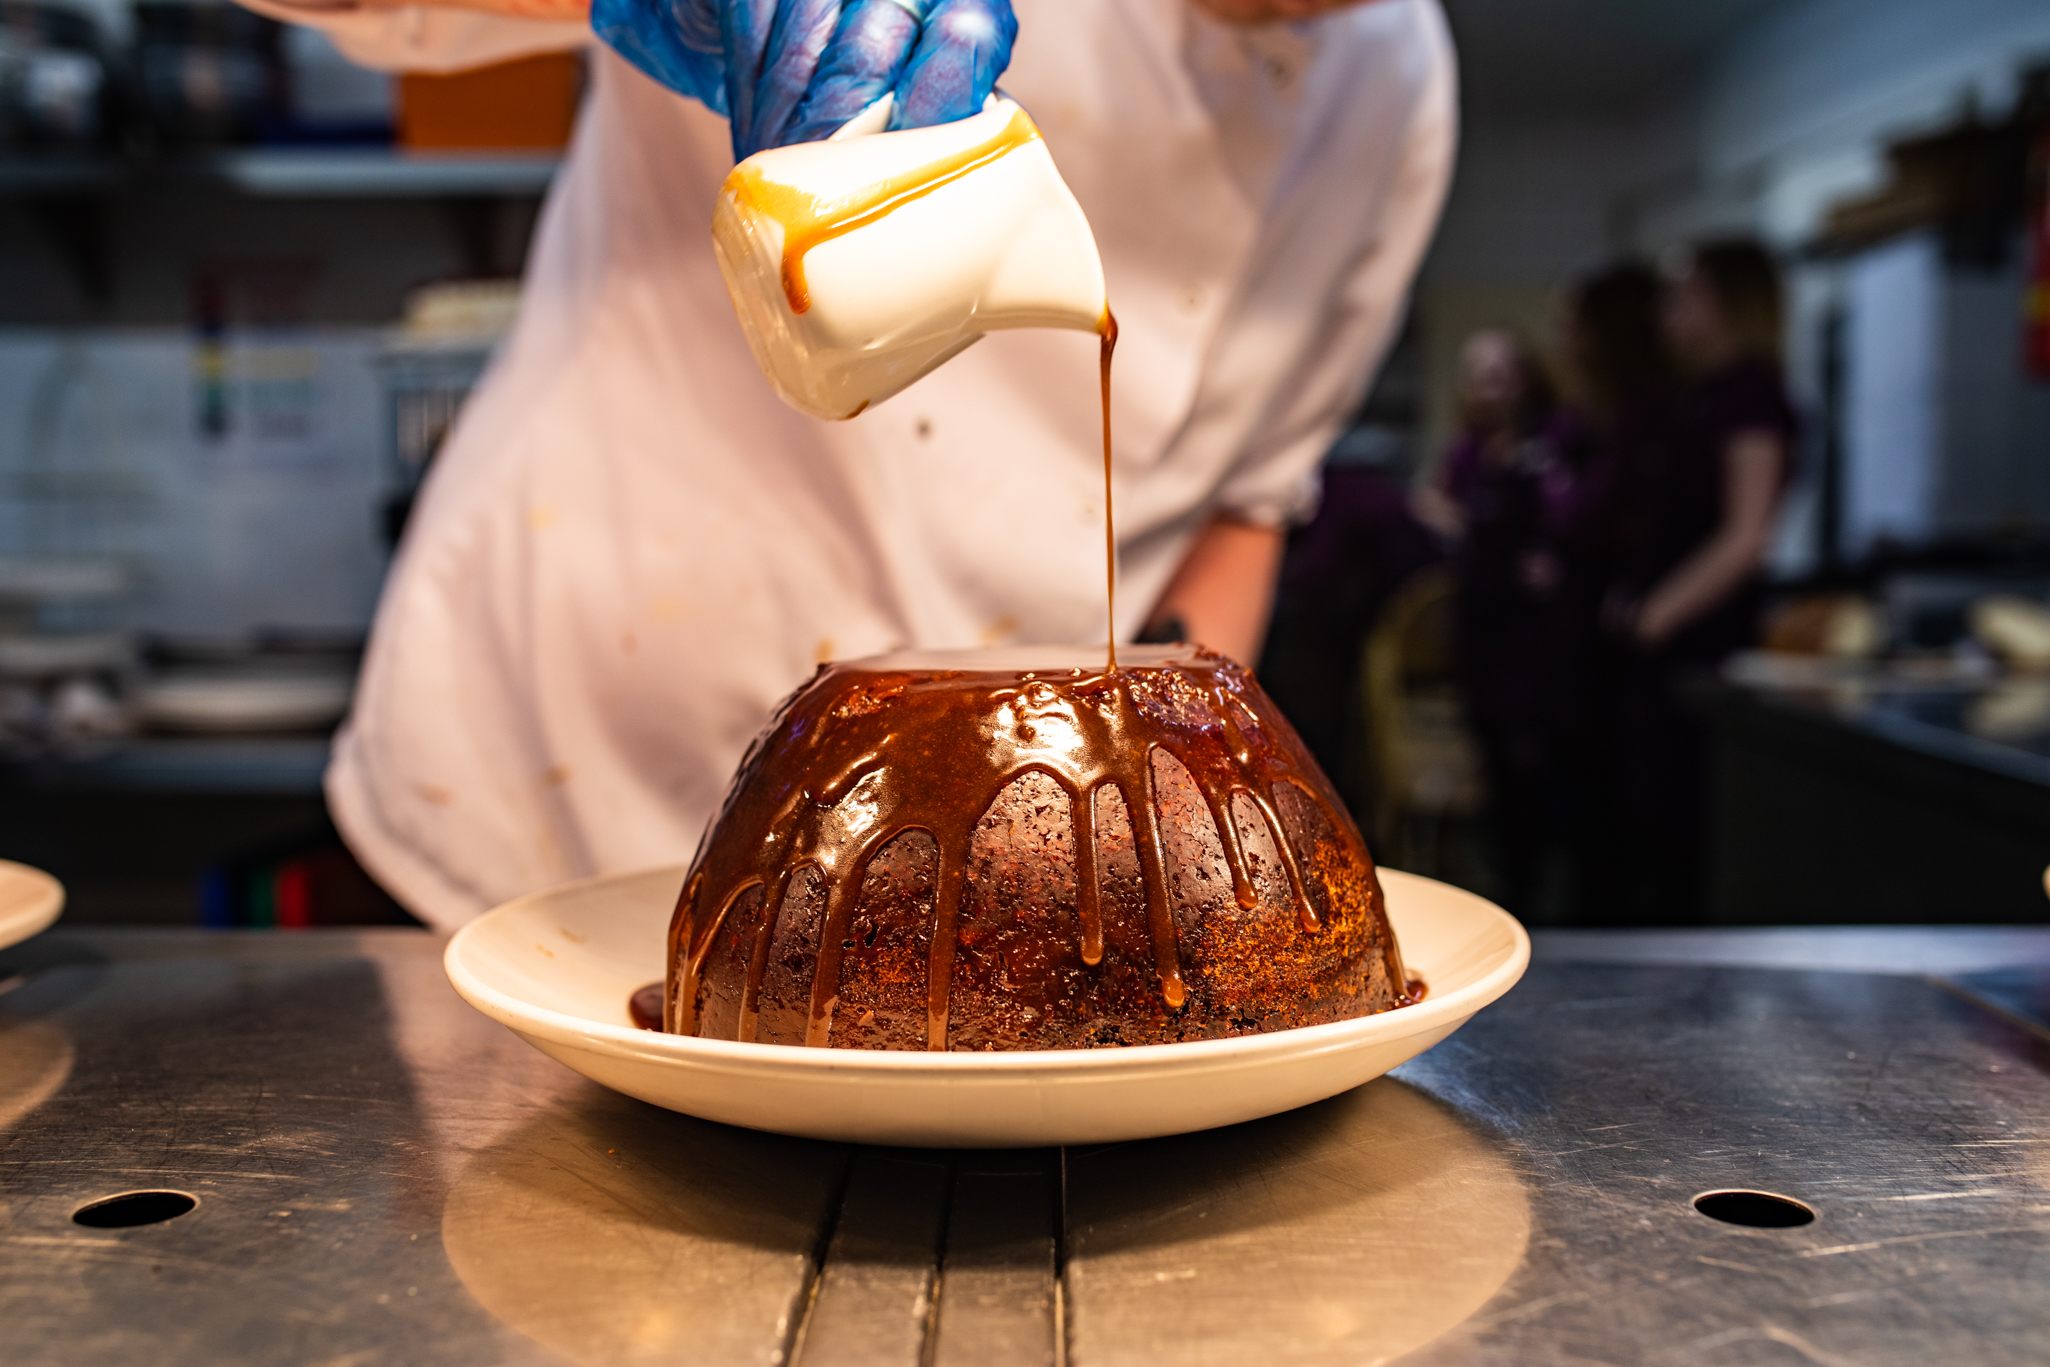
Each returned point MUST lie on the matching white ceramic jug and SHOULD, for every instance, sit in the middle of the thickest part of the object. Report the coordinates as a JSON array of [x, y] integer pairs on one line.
[[860, 263]]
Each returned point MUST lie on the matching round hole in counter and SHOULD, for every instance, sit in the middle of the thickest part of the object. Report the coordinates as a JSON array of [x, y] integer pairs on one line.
[[131, 1208], [1755, 1209]]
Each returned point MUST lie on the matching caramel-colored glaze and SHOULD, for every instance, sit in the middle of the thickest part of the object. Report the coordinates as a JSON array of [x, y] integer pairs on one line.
[[945, 859], [1107, 330], [644, 1007], [808, 219]]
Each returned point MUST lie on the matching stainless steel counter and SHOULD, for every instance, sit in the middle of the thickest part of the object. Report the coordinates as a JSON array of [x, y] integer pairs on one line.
[[385, 1177]]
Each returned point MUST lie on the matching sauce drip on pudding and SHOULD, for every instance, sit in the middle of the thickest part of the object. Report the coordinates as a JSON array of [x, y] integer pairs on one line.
[[1108, 332], [919, 856]]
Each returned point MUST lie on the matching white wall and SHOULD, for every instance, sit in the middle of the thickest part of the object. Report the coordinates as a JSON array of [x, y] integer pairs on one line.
[[1789, 115], [1996, 420], [1533, 200], [1829, 70], [1893, 409], [1795, 111], [1533, 205]]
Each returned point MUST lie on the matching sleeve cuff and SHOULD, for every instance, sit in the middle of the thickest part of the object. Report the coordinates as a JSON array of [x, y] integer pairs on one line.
[[1280, 492]]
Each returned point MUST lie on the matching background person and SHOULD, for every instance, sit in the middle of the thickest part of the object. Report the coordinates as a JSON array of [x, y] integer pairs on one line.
[[1623, 383], [1501, 493], [1697, 519]]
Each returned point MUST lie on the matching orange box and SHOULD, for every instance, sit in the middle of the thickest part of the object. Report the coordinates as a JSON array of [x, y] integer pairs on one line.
[[528, 105]]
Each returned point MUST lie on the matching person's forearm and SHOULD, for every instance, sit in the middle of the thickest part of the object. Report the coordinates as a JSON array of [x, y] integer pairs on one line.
[[514, 9], [1752, 468], [1223, 593], [1697, 584], [1439, 512]]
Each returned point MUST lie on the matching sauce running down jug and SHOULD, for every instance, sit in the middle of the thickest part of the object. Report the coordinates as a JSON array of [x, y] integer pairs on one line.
[[860, 263]]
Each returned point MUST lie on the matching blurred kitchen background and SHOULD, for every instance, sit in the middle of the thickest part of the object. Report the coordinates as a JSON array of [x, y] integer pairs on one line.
[[244, 286]]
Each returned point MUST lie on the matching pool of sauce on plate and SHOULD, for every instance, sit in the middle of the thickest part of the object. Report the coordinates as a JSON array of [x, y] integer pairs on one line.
[[644, 1007]]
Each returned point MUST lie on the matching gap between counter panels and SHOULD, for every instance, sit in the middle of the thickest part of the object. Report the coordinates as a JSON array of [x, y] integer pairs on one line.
[[937, 1260]]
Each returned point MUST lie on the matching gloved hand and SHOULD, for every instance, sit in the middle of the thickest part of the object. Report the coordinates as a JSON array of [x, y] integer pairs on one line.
[[785, 71]]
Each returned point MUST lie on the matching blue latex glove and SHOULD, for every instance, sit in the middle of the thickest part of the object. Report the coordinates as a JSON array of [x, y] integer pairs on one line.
[[786, 71]]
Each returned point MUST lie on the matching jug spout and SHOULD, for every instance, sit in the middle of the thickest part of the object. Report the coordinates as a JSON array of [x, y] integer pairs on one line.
[[859, 264], [1050, 275]]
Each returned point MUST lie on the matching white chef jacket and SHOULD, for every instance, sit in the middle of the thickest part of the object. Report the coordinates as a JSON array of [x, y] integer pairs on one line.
[[629, 549]]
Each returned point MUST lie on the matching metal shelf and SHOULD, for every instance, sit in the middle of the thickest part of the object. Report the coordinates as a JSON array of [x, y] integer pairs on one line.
[[32, 176], [376, 171], [307, 173]]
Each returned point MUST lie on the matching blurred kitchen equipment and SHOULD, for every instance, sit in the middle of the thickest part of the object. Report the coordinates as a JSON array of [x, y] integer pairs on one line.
[[59, 689], [56, 628], [861, 263], [62, 666], [243, 702], [57, 582], [55, 88], [2016, 711], [2015, 629], [1422, 764], [332, 99], [1837, 625], [54, 656], [208, 72], [65, 648], [528, 105], [429, 366], [257, 684]]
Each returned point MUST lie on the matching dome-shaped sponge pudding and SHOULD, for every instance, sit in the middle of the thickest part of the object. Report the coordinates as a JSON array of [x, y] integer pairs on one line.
[[967, 852]]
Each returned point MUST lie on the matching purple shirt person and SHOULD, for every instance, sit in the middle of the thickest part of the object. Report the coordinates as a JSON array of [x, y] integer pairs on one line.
[[1696, 518], [1507, 495]]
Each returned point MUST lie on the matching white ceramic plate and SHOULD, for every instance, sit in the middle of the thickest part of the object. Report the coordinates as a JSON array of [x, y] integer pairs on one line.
[[231, 703], [38, 656], [60, 579], [559, 966], [29, 902]]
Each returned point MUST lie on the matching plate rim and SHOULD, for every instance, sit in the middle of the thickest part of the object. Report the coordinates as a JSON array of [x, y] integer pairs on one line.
[[47, 904], [628, 1041]]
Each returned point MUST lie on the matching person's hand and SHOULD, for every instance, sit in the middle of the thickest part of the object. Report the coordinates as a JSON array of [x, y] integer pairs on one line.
[[1541, 573], [785, 71], [1655, 623], [1439, 513]]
